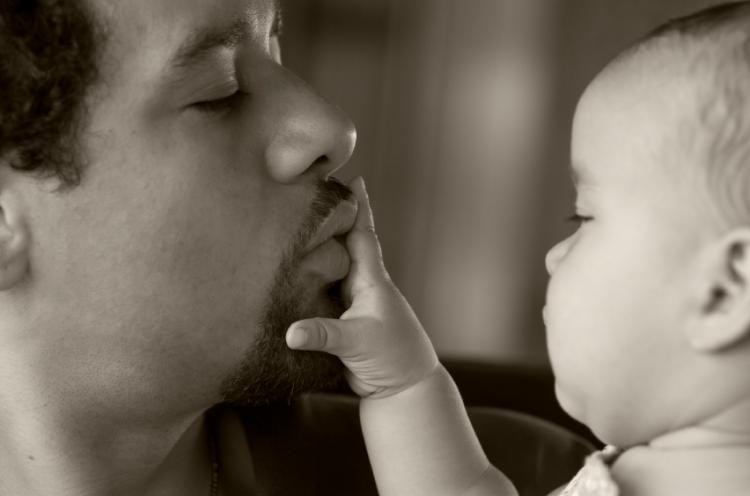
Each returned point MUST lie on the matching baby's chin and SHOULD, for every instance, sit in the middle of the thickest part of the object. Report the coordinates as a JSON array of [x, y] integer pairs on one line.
[[569, 402], [575, 404], [609, 423]]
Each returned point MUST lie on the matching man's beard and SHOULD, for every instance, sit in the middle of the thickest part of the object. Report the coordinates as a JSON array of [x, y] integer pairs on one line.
[[270, 371]]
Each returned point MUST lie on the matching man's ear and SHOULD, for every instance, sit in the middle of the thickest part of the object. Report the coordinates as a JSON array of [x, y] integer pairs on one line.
[[14, 241], [724, 294]]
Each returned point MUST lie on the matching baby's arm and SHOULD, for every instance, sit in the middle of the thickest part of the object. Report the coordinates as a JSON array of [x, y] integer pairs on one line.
[[417, 432], [420, 441]]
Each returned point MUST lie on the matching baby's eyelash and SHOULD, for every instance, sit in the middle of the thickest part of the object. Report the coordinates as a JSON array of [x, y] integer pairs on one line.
[[579, 219]]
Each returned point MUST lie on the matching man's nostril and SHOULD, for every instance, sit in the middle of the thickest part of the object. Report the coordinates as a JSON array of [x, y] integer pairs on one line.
[[320, 160]]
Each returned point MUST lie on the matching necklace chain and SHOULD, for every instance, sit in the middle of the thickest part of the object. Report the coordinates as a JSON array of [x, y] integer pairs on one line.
[[214, 453]]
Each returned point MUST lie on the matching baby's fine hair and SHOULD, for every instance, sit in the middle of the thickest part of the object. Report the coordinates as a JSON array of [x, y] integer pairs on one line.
[[709, 53]]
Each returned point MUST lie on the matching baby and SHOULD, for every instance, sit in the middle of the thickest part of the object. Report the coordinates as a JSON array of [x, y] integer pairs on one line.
[[648, 304]]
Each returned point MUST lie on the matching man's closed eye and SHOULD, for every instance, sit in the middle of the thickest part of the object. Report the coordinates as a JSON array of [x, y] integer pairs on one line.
[[220, 105]]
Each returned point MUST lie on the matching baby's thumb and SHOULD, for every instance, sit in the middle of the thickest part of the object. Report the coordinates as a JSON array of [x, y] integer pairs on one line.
[[319, 334]]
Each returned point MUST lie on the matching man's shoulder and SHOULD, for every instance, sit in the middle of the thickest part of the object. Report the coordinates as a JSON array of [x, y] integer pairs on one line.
[[310, 445], [305, 422]]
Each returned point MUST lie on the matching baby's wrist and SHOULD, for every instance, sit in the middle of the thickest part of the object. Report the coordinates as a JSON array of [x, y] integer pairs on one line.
[[430, 379]]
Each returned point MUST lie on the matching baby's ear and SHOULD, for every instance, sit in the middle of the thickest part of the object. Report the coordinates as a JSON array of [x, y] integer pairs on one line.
[[724, 294]]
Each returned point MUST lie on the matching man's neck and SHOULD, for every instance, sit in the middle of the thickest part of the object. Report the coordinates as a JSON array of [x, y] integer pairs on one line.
[[46, 451]]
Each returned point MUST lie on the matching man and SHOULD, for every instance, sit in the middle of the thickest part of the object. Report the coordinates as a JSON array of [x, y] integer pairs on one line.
[[165, 214]]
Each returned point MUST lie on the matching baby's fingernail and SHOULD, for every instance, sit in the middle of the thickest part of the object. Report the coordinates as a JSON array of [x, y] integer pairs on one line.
[[358, 184], [296, 337]]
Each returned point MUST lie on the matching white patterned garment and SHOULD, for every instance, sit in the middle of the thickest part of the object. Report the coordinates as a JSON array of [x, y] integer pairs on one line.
[[595, 479]]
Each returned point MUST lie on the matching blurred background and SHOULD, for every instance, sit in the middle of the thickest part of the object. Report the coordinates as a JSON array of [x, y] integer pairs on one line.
[[463, 110]]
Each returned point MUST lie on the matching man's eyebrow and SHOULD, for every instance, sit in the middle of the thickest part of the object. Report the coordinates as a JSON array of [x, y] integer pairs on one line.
[[202, 42]]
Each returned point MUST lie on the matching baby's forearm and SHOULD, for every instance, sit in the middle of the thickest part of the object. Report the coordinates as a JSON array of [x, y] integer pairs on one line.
[[420, 442]]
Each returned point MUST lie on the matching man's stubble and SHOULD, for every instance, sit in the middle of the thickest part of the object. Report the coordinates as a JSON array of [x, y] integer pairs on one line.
[[270, 371]]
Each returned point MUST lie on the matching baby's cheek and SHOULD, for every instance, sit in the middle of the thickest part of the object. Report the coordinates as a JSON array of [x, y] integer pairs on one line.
[[570, 389]]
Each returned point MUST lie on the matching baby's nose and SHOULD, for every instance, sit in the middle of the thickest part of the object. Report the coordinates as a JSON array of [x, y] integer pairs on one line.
[[553, 257]]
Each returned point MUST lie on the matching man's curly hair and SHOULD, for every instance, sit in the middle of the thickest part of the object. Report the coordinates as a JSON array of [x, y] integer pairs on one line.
[[48, 60]]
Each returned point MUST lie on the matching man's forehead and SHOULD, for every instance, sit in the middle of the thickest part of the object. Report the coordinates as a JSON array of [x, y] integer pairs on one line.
[[185, 28]]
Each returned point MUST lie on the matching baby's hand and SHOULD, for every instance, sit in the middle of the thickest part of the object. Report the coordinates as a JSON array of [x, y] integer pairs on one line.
[[379, 339]]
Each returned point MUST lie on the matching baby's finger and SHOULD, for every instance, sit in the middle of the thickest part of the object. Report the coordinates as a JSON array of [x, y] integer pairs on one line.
[[364, 248], [319, 334]]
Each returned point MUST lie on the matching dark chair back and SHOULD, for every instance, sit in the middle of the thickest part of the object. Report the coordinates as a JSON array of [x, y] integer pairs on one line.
[[536, 455], [314, 446]]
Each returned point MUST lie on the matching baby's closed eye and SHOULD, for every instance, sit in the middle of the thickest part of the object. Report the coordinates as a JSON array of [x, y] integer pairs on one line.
[[579, 219]]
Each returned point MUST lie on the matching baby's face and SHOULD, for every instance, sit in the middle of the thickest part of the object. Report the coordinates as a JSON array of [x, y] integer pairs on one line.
[[617, 295]]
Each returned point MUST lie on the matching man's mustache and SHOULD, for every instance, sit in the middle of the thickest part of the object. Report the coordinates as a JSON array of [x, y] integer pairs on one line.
[[329, 194]]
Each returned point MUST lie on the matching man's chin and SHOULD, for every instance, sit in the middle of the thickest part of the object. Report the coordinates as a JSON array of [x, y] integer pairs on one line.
[[270, 371], [265, 378]]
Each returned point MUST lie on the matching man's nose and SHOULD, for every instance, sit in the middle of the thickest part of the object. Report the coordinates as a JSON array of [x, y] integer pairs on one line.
[[308, 133]]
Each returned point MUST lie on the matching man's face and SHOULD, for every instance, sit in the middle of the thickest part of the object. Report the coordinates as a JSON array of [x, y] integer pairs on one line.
[[179, 261], [619, 286]]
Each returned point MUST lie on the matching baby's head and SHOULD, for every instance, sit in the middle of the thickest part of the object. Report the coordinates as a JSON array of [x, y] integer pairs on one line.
[[648, 306]]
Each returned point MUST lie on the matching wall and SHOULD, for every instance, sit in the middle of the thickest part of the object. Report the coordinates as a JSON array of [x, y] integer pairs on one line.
[[463, 110]]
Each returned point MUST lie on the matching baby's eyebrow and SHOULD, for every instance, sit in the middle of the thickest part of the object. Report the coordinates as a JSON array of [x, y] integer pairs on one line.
[[580, 174], [575, 174]]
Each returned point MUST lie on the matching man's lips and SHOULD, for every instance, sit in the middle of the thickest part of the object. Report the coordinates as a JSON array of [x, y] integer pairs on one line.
[[326, 255], [339, 222], [329, 262]]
